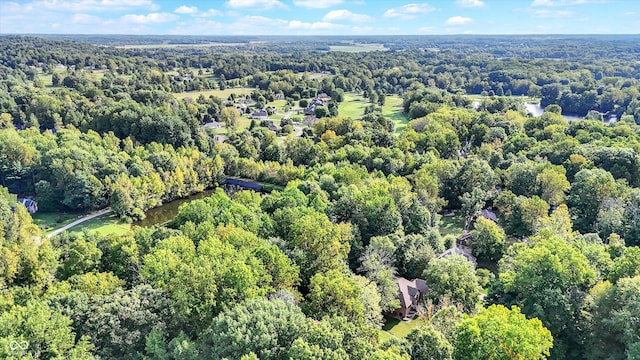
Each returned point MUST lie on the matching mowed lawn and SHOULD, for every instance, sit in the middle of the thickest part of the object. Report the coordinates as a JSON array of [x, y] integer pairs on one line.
[[222, 94], [108, 224], [49, 221], [353, 106], [394, 111], [394, 327]]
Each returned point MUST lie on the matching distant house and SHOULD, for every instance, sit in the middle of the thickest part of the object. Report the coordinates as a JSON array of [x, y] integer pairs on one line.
[[261, 114], [273, 127], [489, 214], [247, 102], [309, 110], [278, 97], [323, 96], [409, 294], [463, 251], [30, 204], [213, 125]]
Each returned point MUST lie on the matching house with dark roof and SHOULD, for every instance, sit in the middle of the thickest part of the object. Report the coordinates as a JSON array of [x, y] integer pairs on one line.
[[489, 215], [409, 293], [261, 114]]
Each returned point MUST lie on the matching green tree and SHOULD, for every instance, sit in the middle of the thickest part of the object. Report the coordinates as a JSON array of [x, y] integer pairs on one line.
[[501, 333], [472, 204], [428, 343], [614, 328], [489, 240], [553, 184], [45, 333], [229, 116], [266, 328], [335, 292], [549, 280], [628, 265], [79, 257], [453, 278], [589, 190]]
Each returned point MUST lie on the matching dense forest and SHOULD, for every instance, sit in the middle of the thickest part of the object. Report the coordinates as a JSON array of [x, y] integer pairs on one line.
[[549, 208]]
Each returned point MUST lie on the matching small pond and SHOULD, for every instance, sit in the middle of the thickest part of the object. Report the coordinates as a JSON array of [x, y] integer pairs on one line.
[[168, 211]]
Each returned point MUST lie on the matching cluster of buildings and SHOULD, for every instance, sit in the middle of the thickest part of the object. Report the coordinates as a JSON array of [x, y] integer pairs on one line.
[[320, 100]]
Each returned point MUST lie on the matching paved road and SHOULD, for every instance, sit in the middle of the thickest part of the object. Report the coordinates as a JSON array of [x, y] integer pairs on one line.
[[297, 128], [79, 221]]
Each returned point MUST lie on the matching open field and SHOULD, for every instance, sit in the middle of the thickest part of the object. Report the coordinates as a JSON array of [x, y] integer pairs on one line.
[[105, 225], [223, 94], [393, 110], [352, 106]]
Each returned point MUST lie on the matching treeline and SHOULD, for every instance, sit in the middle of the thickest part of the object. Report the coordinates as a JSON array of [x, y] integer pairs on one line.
[[578, 85]]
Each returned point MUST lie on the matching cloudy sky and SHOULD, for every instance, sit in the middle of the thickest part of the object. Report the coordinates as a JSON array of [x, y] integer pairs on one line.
[[320, 17]]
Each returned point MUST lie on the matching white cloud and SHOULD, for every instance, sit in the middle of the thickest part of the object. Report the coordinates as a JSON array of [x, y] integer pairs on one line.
[[194, 11], [208, 13], [84, 18], [544, 13], [469, 3], [259, 4], [409, 11], [317, 4], [458, 20], [345, 15], [152, 18], [320, 25], [184, 9]]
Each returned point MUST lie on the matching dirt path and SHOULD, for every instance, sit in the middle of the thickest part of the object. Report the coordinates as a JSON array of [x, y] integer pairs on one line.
[[79, 221]]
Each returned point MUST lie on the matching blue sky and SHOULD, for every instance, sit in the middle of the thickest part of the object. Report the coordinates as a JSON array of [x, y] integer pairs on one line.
[[320, 17]]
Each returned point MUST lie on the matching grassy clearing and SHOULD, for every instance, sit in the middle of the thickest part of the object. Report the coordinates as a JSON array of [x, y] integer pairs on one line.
[[50, 221], [399, 328], [108, 224], [223, 94], [353, 106], [451, 225], [393, 110], [277, 103]]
